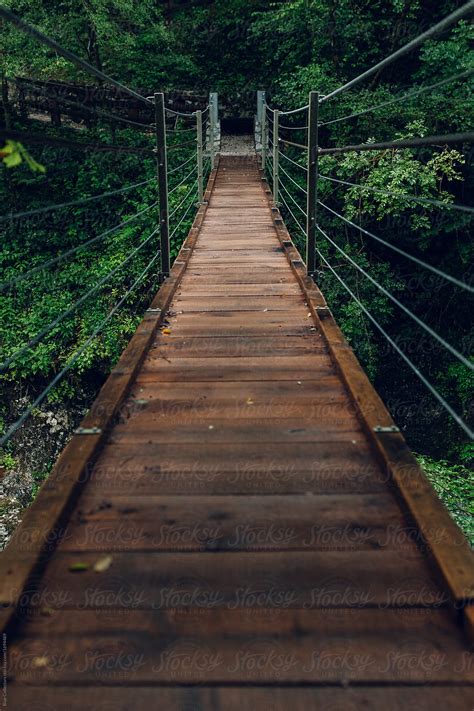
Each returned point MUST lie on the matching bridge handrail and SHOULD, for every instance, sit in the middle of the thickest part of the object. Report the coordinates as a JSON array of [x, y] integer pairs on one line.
[[275, 146], [444, 24], [168, 139]]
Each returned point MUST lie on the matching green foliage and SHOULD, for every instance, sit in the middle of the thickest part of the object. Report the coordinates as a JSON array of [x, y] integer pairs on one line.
[[454, 484], [7, 460], [32, 241], [14, 153]]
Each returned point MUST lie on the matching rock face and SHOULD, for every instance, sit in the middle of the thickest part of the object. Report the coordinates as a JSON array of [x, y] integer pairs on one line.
[[34, 449]]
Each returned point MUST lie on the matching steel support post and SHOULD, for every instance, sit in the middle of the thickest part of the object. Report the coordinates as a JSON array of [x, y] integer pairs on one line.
[[276, 153], [162, 175], [199, 156], [312, 182]]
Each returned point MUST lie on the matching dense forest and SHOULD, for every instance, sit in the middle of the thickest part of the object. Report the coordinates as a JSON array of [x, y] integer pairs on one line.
[[236, 47]]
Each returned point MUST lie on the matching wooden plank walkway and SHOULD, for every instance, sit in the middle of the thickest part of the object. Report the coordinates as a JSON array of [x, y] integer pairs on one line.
[[255, 542]]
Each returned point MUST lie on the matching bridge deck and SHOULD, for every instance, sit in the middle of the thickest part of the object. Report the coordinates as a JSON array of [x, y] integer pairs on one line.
[[245, 530]]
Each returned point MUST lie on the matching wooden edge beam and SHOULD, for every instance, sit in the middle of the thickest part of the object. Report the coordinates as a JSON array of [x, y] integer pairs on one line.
[[44, 521], [446, 544]]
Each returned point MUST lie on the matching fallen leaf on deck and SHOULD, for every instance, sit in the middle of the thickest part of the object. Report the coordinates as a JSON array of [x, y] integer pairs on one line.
[[103, 564], [78, 567], [40, 662]]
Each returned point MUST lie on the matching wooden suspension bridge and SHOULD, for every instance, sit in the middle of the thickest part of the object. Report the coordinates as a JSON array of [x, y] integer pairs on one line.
[[238, 523]]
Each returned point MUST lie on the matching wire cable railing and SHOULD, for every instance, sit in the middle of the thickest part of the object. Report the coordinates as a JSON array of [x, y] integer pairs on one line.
[[67, 54], [444, 24], [301, 160], [402, 98], [402, 252], [57, 378], [189, 161], [402, 196], [400, 352], [47, 329], [68, 253], [73, 203]]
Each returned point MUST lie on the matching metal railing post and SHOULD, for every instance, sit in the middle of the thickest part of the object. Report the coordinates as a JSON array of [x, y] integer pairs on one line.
[[162, 175], [264, 136], [199, 156], [213, 121], [276, 153], [258, 124], [312, 182]]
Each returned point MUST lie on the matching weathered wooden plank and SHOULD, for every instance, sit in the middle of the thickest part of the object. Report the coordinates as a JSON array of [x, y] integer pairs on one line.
[[229, 431], [235, 523], [295, 368], [196, 303], [310, 579], [276, 468], [246, 698], [236, 346]]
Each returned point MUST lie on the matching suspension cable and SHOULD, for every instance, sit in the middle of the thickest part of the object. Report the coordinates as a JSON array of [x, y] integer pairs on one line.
[[285, 172], [36, 339], [72, 203], [52, 44], [403, 355], [184, 214], [183, 200], [451, 19], [44, 140], [290, 160], [16, 425], [466, 137], [421, 263], [69, 252], [293, 215], [178, 167], [414, 198], [293, 199], [403, 97], [465, 361], [193, 169]]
